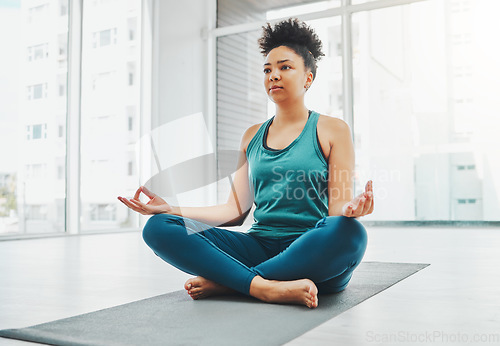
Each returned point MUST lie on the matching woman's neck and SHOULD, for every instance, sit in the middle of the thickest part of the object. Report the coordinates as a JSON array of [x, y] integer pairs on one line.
[[290, 113]]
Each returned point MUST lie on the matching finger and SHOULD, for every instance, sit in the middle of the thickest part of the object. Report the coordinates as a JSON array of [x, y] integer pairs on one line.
[[138, 204], [366, 207], [133, 207], [348, 210], [369, 194], [147, 192], [138, 193], [368, 186], [368, 189], [126, 202], [372, 203], [130, 205], [369, 199], [358, 211]]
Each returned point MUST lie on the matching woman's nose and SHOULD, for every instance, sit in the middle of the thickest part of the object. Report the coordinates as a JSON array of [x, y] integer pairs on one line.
[[274, 76]]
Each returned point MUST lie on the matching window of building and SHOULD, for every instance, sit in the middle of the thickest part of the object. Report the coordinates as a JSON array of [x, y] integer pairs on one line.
[[37, 91], [63, 46], [130, 123], [104, 38], [38, 131], [38, 52], [132, 28], [63, 7], [131, 73]]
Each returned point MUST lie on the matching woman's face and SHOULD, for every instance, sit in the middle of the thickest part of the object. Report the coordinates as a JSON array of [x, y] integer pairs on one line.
[[285, 76]]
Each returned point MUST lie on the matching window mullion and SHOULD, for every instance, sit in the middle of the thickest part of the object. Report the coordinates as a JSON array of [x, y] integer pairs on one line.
[[347, 71], [73, 117]]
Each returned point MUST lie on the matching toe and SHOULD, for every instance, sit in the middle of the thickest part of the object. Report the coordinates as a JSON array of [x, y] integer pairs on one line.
[[196, 281], [188, 284], [196, 295], [195, 290]]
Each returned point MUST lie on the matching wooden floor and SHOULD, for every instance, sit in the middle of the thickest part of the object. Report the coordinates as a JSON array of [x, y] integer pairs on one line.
[[454, 301]]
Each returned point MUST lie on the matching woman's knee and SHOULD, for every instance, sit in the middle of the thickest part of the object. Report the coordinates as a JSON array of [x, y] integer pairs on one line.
[[355, 227], [158, 224], [347, 228]]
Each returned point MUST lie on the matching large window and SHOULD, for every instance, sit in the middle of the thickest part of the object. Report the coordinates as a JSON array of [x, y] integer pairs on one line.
[[36, 63], [32, 106], [110, 112], [417, 83], [425, 77]]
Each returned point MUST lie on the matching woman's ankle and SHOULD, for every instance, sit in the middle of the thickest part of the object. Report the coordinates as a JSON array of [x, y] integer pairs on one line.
[[259, 287]]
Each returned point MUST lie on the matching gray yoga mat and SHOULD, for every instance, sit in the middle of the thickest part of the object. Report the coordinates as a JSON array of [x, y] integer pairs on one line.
[[176, 319]]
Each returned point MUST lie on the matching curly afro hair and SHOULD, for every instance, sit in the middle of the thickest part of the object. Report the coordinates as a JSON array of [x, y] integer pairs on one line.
[[295, 35]]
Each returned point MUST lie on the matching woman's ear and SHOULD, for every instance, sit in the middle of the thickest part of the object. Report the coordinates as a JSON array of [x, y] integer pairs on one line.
[[309, 80], [310, 77]]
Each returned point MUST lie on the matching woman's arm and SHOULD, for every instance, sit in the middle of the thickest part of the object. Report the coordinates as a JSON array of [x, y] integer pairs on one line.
[[231, 213], [340, 166], [341, 175]]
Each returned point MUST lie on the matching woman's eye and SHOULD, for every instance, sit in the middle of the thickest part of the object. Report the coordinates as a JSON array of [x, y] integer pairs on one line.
[[285, 67], [266, 70]]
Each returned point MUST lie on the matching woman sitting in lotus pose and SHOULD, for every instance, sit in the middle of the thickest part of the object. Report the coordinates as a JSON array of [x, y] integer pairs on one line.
[[297, 167]]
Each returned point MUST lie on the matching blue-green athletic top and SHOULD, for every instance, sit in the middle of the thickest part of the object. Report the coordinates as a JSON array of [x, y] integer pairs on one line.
[[290, 185]]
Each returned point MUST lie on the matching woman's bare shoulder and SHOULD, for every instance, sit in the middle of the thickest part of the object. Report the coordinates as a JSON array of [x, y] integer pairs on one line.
[[332, 123], [332, 127], [249, 134]]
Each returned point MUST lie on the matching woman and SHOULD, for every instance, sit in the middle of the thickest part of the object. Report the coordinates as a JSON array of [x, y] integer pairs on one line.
[[297, 167]]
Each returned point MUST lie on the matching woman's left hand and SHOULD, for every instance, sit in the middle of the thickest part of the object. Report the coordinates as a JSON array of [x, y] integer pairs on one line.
[[361, 205]]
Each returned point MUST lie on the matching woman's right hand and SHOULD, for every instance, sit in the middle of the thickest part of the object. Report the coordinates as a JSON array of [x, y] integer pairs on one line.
[[156, 204]]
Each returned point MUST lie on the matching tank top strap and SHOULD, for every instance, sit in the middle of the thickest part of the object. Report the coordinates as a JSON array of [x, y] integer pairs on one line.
[[259, 136], [310, 141], [311, 125]]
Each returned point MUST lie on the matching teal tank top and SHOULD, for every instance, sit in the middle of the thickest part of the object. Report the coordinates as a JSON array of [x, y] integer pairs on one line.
[[290, 185]]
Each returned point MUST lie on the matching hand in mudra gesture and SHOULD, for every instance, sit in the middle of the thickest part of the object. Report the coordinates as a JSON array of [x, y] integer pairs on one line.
[[362, 204], [156, 204]]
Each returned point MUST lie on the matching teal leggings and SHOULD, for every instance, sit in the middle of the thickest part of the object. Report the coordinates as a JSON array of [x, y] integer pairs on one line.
[[326, 254]]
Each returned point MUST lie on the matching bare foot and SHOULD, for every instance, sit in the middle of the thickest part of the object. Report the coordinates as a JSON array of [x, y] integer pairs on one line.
[[303, 292], [199, 288]]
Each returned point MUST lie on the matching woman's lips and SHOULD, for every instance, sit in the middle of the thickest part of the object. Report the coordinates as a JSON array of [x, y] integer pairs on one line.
[[274, 88]]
